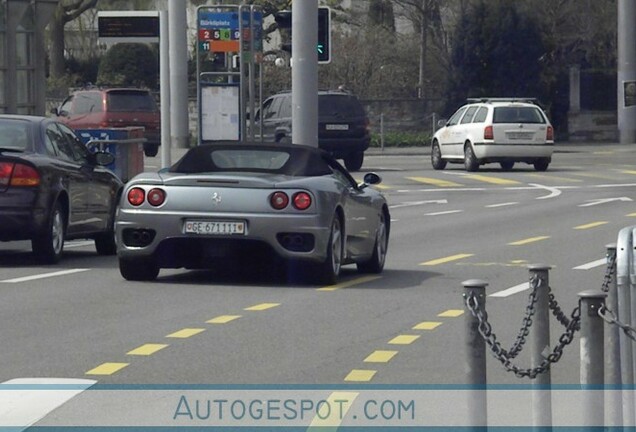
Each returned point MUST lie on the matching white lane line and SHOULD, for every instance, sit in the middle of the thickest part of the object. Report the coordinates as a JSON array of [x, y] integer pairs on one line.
[[513, 290], [24, 401], [591, 265], [418, 203], [443, 213], [502, 204], [44, 276], [78, 244]]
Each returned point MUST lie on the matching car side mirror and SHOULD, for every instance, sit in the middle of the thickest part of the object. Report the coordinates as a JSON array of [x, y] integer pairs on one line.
[[54, 111], [104, 158], [370, 179], [442, 123]]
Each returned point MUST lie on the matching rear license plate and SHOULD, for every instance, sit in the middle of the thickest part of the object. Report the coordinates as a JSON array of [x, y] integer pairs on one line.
[[214, 228], [337, 127], [520, 135]]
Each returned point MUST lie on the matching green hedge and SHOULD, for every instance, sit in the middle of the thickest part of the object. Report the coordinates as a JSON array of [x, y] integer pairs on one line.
[[401, 139]]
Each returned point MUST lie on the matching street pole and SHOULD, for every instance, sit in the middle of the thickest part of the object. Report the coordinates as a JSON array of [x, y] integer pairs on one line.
[[626, 71], [178, 26], [164, 78], [305, 73]]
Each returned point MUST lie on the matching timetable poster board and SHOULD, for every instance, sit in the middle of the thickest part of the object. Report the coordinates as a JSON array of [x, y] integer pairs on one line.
[[220, 119]]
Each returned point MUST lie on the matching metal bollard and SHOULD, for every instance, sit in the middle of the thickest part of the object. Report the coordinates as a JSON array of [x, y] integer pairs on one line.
[[592, 357], [624, 268], [541, 396], [475, 290], [613, 398]]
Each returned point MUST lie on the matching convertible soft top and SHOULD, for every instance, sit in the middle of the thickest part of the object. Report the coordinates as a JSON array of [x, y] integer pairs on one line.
[[292, 160]]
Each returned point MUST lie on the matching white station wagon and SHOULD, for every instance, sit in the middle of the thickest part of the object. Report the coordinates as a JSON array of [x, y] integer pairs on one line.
[[495, 130]]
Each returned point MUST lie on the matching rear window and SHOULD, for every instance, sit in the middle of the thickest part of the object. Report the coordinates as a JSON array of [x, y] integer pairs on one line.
[[129, 101], [518, 115], [14, 134], [331, 105]]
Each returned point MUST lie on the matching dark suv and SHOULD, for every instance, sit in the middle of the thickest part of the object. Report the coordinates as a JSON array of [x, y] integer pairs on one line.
[[114, 108], [343, 126]]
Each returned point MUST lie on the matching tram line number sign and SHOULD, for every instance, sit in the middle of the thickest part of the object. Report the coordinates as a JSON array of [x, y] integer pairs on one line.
[[219, 31]]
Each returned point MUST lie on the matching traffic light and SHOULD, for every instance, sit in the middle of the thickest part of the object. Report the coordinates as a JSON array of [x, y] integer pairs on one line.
[[284, 21]]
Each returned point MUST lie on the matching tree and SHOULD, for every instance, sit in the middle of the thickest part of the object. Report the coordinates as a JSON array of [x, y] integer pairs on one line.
[[496, 52], [67, 10], [129, 64]]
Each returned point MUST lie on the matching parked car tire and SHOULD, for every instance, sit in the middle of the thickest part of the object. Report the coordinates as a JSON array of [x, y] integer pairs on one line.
[[470, 160], [151, 149], [49, 246], [105, 243], [436, 157], [353, 161], [376, 263], [541, 164], [138, 269], [329, 270]]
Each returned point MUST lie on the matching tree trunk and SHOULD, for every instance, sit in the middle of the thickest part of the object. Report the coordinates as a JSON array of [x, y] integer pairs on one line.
[[57, 47]]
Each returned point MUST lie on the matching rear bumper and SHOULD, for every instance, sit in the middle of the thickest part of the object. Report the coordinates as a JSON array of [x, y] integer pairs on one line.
[[340, 148], [522, 152]]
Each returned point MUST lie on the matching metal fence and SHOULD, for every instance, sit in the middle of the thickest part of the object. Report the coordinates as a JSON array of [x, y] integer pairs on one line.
[[604, 319]]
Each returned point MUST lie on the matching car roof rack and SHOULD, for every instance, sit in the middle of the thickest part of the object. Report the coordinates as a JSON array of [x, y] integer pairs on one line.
[[503, 99]]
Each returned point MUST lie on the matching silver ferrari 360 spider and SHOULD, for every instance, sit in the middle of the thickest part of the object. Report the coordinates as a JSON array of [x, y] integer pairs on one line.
[[246, 202]]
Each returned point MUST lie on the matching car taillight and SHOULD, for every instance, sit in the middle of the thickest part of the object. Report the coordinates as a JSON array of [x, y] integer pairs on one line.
[[301, 200], [550, 134], [17, 174], [156, 197], [279, 200], [488, 133], [136, 196]]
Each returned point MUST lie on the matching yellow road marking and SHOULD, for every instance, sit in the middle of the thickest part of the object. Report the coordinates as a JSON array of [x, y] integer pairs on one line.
[[631, 215], [451, 313], [434, 181], [493, 180], [147, 349], [380, 356], [427, 325], [186, 333], [590, 225], [446, 259], [327, 416], [223, 319], [404, 339], [107, 368], [632, 172], [528, 240], [593, 175], [350, 283], [360, 375], [262, 306], [603, 152]]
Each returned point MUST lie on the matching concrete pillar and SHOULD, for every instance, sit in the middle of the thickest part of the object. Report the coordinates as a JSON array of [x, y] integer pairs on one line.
[[575, 89], [626, 84]]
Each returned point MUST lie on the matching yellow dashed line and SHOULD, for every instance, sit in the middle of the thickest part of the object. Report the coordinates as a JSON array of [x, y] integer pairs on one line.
[[360, 375], [107, 369], [186, 333], [350, 283], [446, 259], [528, 240], [631, 215], [593, 175], [451, 313], [632, 172], [380, 356], [427, 325], [327, 416], [262, 306], [493, 180], [590, 225], [434, 182], [223, 319], [404, 339], [147, 349]]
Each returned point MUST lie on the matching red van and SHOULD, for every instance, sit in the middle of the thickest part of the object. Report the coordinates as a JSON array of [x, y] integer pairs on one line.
[[114, 108]]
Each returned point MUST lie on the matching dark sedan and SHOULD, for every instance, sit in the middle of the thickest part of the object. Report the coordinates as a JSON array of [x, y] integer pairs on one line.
[[53, 189]]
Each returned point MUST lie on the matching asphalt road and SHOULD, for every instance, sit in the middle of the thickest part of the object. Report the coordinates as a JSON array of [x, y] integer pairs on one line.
[[81, 320]]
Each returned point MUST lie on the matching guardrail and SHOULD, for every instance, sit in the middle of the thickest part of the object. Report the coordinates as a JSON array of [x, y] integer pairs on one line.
[[604, 318]]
